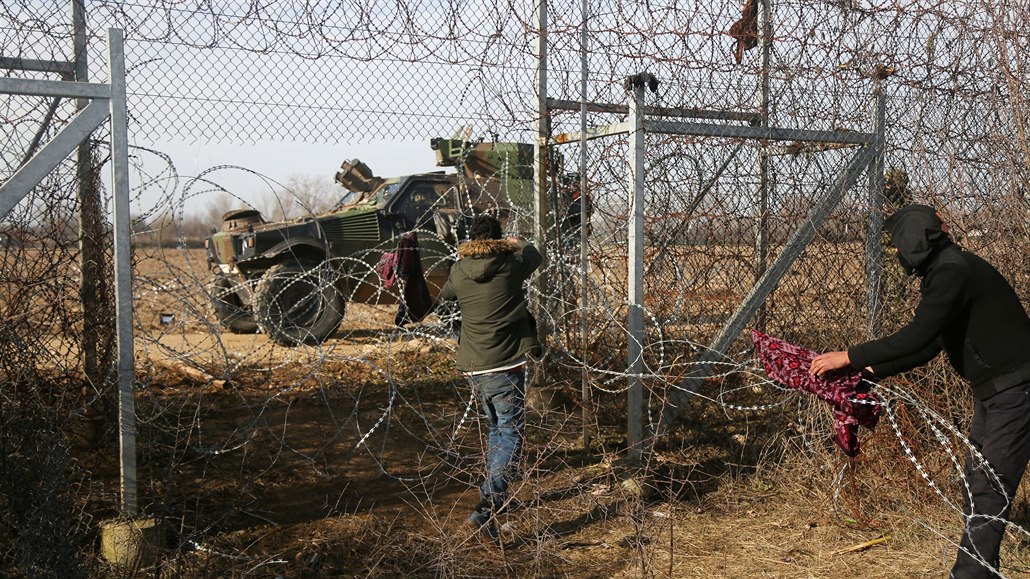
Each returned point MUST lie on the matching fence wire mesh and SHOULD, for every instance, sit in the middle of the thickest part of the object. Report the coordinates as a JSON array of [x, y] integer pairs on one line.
[[267, 459]]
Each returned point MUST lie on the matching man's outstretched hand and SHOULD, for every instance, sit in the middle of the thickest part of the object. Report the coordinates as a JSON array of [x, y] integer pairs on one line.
[[824, 363]]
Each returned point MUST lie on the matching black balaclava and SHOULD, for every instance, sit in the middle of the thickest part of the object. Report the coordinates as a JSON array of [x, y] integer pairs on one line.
[[916, 233]]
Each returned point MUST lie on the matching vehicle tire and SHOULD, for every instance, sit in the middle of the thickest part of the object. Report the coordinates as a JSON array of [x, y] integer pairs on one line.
[[298, 304], [229, 309]]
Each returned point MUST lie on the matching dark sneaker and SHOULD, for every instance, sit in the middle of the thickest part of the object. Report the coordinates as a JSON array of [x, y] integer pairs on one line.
[[511, 505], [482, 522]]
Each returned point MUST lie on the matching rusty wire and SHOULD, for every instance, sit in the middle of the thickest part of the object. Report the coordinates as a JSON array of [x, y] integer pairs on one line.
[[384, 400]]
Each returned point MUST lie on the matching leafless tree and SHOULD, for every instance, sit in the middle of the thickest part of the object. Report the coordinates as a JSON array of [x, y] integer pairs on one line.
[[301, 195]]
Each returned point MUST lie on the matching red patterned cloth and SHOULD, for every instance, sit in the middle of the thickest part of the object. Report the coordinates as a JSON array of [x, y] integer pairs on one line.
[[853, 404], [405, 263], [387, 268]]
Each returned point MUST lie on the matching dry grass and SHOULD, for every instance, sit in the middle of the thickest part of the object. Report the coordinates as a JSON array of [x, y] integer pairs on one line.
[[266, 477], [735, 496]]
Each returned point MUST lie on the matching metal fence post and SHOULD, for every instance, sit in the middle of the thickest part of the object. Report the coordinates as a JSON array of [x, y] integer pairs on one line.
[[762, 209], [123, 272], [584, 216], [874, 236], [91, 234], [635, 274], [540, 164]]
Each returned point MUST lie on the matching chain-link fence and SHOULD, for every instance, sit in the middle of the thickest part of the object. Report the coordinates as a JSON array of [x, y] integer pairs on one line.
[[238, 431]]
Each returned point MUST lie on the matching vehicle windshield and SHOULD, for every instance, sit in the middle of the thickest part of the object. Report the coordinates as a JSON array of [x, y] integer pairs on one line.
[[377, 196], [386, 192], [350, 198]]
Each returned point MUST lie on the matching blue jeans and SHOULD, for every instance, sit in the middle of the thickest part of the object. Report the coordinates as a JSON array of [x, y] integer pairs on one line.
[[502, 397]]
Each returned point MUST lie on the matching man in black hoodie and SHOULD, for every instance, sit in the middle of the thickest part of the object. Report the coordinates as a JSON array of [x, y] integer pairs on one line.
[[972, 313]]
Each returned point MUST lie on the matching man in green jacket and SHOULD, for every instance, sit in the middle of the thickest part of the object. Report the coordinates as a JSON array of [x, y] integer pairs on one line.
[[497, 333]]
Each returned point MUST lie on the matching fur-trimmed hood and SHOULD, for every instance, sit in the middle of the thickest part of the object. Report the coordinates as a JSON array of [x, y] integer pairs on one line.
[[482, 259], [485, 247], [496, 326]]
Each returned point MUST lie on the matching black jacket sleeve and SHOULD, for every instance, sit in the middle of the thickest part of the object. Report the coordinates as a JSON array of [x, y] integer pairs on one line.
[[944, 290], [899, 365]]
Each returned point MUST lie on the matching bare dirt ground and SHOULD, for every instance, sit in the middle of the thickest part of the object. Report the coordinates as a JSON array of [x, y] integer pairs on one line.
[[361, 458]]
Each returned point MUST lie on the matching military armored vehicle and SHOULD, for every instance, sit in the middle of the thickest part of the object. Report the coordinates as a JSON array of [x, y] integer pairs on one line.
[[293, 279]]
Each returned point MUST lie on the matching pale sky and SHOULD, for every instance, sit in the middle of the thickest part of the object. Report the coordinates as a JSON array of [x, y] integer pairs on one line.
[[274, 160]]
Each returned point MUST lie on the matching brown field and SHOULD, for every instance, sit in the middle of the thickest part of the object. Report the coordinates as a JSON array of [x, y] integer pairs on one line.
[[360, 458]]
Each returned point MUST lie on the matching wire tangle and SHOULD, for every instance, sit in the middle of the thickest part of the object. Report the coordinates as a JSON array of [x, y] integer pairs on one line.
[[296, 398]]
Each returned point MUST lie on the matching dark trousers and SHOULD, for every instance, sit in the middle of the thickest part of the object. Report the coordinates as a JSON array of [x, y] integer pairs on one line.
[[1001, 432]]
